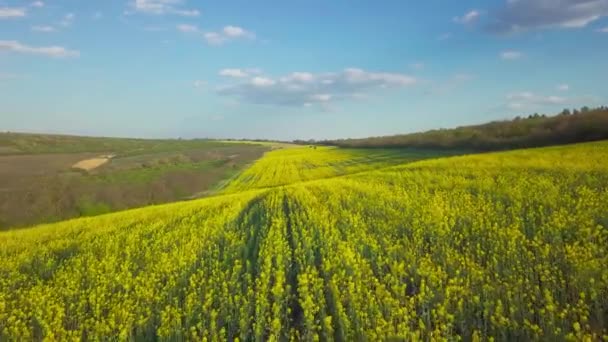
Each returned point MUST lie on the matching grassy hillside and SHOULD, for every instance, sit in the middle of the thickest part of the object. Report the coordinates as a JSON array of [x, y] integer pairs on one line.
[[39, 181], [313, 244], [532, 131], [25, 143]]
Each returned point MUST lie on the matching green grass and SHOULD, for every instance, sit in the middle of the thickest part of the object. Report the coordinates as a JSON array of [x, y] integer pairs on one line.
[[149, 174]]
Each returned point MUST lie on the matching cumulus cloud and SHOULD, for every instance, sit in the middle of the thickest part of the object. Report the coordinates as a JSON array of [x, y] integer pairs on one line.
[[562, 87], [45, 29], [468, 18], [306, 89], [523, 15], [529, 98], [602, 30], [237, 32], [49, 51], [236, 73], [12, 12], [161, 7], [298, 77], [262, 82], [226, 34], [511, 55], [37, 4]]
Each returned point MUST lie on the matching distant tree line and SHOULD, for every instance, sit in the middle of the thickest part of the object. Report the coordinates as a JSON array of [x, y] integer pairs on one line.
[[570, 126]]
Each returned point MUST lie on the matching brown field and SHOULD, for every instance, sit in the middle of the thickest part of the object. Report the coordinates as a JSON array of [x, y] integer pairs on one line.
[[40, 188], [17, 170]]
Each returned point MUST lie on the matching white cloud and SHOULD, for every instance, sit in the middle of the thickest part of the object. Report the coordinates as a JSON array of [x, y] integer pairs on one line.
[[259, 81], [359, 76], [298, 77], [37, 4], [523, 15], [511, 55], [306, 89], [161, 7], [199, 84], [602, 30], [50, 51], [233, 31], [528, 99], [226, 34], [562, 87], [10, 13], [468, 18], [236, 73], [237, 32], [45, 29]]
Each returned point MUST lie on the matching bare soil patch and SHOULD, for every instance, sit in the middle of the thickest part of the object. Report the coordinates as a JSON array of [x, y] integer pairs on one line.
[[90, 164]]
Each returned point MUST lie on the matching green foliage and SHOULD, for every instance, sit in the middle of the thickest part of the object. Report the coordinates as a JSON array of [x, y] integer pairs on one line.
[[503, 246], [534, 131], [89, 207]]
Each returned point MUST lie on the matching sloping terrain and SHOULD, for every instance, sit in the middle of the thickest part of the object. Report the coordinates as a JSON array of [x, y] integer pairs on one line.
[[47, 178], [328, 244]]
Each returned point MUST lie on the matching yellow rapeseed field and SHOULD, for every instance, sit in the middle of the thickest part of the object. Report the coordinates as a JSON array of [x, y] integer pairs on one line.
[[331, 244]]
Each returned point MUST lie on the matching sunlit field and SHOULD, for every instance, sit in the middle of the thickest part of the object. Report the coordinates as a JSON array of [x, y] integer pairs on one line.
[[333, 244]]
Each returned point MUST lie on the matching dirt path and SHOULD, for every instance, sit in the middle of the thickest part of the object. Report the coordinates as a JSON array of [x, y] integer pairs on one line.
[[91, 164]]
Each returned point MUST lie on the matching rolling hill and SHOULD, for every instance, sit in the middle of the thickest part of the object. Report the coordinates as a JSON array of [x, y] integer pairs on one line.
[[333, 244]]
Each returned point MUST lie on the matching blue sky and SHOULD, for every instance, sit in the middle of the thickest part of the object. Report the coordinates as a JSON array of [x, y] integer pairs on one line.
[[294, 69]]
